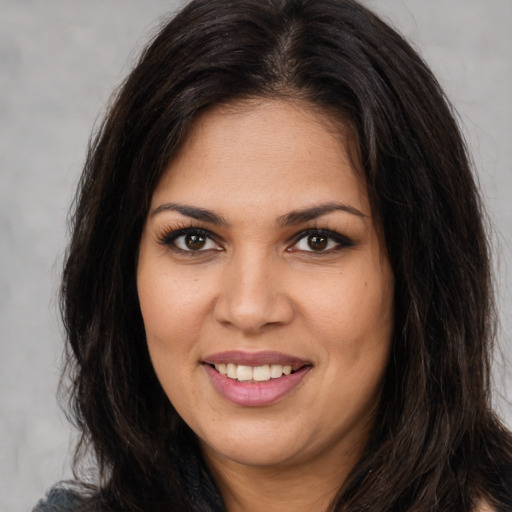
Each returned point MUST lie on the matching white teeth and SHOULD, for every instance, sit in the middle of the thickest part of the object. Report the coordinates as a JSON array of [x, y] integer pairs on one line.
[[231, 369], [276, 370], [245, 373], [261, 373]]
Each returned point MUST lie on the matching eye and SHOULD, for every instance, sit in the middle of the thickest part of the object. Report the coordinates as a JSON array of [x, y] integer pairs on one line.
[[190, 240], [320, 241]]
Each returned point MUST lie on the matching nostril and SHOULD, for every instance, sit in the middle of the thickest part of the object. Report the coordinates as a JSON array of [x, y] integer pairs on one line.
[[252, 314]]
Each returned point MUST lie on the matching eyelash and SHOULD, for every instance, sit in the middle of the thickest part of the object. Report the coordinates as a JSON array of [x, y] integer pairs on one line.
[[168, 239], [341, 241]]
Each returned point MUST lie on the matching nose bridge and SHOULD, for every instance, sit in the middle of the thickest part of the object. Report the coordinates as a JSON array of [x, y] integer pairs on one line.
[[253, 294]]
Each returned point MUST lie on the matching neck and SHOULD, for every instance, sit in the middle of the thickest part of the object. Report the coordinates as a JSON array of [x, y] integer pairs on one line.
[[280, 488]]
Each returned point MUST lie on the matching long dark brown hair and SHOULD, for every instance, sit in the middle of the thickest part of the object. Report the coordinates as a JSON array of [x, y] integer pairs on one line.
[[436, 444]]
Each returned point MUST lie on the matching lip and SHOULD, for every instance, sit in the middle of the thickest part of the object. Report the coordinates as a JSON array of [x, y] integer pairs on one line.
[[256, 358], [255, 394]]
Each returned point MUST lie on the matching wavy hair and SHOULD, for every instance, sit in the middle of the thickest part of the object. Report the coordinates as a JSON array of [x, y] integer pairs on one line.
[[436, 444]]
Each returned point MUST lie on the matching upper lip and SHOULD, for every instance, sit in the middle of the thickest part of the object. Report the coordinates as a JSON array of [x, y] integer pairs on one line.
[[256, 358]]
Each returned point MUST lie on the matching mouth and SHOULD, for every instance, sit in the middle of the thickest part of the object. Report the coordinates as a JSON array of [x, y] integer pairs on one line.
[[255, 379], [263, 373], [256, 367]]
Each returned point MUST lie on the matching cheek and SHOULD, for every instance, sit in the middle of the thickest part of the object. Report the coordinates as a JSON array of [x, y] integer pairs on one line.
[[171, 313], [348, 305], [351, 315], [172, 306]]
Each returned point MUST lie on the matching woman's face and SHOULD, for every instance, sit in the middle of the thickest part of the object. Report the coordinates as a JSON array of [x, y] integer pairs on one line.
[[265, 291]]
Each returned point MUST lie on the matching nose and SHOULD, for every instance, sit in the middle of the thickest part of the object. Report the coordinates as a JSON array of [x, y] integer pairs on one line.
[[253, 296]]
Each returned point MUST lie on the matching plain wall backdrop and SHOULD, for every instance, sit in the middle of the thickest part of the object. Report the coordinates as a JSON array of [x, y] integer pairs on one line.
[[59, 62]]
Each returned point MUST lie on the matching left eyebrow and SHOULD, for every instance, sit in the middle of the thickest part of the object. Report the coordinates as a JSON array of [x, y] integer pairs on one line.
[[307, 214]]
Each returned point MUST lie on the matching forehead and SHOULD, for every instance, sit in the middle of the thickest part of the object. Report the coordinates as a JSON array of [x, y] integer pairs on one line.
[[284, 151]]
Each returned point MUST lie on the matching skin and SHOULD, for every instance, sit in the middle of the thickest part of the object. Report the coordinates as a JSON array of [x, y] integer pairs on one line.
[[258, 285]]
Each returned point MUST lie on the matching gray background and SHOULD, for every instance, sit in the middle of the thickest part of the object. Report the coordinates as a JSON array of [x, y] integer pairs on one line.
[[59, 62]]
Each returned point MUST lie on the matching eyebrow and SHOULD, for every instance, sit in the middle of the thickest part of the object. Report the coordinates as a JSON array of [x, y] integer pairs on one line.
[[313, 212], [292, 218], [191, 211]]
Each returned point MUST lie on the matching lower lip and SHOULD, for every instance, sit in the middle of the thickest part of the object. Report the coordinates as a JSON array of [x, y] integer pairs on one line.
[[255, 394]]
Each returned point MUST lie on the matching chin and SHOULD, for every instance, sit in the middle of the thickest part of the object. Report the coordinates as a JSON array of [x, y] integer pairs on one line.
[[262, 448]]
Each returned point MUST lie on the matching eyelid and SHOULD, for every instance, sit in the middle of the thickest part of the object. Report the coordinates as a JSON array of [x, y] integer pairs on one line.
[[167, 237], [342, 241]]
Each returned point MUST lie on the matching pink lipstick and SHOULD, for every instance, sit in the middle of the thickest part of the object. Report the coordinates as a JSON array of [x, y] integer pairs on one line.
[[255, 379]]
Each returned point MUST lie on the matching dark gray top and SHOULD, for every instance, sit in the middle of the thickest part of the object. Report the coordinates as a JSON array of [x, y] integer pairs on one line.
[[61, 498], [197, 483]]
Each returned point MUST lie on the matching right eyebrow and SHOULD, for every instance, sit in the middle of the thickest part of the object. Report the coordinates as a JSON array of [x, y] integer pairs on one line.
[[193, 212]]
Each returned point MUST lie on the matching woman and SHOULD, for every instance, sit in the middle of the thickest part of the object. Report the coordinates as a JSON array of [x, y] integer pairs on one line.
[[277, 294]]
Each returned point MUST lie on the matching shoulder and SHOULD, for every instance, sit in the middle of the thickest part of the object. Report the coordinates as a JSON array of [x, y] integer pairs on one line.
[[63, 497]]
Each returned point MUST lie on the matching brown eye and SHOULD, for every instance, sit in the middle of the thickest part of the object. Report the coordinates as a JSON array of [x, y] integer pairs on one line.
[[191, 240], [321, 241], [317, 242], [195, 242]]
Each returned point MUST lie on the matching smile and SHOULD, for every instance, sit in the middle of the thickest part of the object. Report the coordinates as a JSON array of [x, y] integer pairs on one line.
[[255, 380], [245, 373]]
